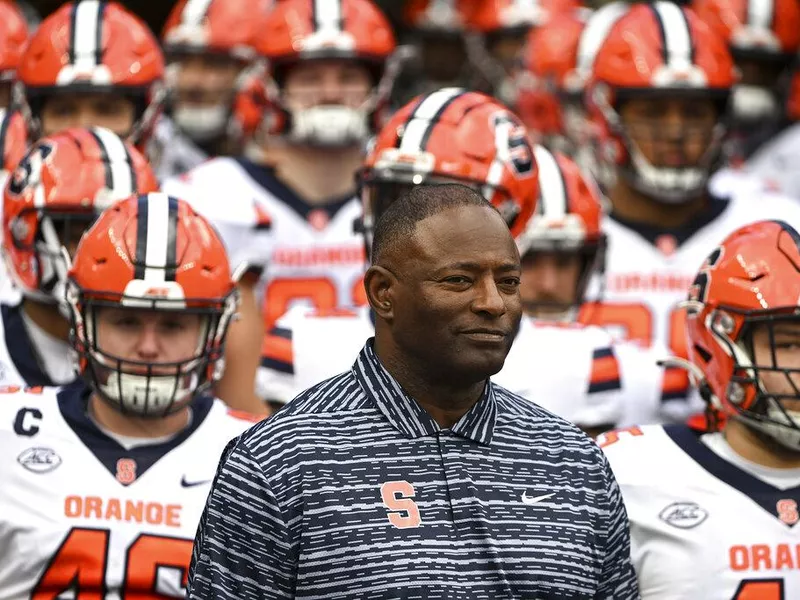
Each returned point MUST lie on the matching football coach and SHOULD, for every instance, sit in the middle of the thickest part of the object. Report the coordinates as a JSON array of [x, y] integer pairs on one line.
[[412, 475]]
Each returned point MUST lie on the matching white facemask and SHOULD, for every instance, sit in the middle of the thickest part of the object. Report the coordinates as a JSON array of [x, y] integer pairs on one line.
[[752, 102], [201, 123], [130, 392], [331, 125]]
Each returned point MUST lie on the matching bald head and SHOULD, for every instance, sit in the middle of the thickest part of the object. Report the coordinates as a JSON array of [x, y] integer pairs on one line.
[[397, 225]]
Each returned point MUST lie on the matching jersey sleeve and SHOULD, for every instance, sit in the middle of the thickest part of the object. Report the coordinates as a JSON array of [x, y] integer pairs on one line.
[[275, 379], [242, 550], [618, 578]]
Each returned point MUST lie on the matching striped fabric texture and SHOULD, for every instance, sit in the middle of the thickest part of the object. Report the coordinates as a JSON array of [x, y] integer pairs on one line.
[[354, 491]]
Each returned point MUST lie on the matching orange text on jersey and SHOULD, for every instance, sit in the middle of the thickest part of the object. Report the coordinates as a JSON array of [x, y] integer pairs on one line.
[[764, 557], [648, 282], [310, 257], [129, 511]]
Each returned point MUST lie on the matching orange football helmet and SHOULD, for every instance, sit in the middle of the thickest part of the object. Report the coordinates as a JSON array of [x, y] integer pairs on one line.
[[764, 37], [496, 38], [657, 51], [544, 84], [57, 190], [556, 67], [750, 281], [150, 252], [219, 28], [13, 36], [453, 135], [567, 219], [93, 46], [304, 30], [13, 141]]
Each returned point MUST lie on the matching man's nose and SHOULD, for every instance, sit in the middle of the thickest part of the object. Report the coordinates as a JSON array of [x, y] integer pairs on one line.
[[547, 279], [148, 346], [489, 299]]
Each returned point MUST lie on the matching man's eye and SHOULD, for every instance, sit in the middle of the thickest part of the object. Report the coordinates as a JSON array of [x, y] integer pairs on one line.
[[511, 281], [456, 279]]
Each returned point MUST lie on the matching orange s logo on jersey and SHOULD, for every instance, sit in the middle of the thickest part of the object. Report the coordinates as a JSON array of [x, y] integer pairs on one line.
[[787, 511], [397, 497], [126, 471]]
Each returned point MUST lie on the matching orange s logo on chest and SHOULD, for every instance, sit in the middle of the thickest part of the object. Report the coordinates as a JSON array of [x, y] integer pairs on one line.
[[403, 511]]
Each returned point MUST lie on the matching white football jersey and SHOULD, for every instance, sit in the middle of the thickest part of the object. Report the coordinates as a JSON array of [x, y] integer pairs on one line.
[[314, 258], [82, 517], [649, 271], [700, 526], [575, 371], [777, 162]]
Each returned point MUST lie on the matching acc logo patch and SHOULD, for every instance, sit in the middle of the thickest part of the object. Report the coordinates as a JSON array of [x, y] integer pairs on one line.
[[683, 515], [39, 460]]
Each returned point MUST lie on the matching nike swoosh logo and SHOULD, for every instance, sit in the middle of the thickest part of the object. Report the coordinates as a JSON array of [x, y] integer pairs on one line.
[[188, 484], [534, 499]]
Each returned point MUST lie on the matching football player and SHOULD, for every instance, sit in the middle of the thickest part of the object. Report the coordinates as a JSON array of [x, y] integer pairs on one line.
[[13, 36], [104, 480], [714, 515], [764, 38], [50, 199], [495, 39], [92, 64], [436, 29], [328, 84], [453, 135], [209, 44], [659, 92], [557, 64]]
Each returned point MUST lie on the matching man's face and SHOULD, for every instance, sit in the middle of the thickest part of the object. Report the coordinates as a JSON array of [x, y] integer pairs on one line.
[[205, 80], [787, 356], [550, 282], [112, 111], [319, 82], [670, 132], [457, 303], [154, 337]]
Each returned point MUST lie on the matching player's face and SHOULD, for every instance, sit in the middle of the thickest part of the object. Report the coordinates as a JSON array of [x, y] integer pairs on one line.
[[458, 305], [148, 336], [443, 57], [670, 132], [549, 282], [112, 111], [786, 337], [506, 49], [336, 82], [205, 80]]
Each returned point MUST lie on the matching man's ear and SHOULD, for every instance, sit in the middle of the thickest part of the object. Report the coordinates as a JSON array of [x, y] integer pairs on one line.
[[379, 284]]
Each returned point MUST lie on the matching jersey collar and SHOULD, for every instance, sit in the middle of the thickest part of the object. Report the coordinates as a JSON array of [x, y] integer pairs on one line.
[[407, 416]]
